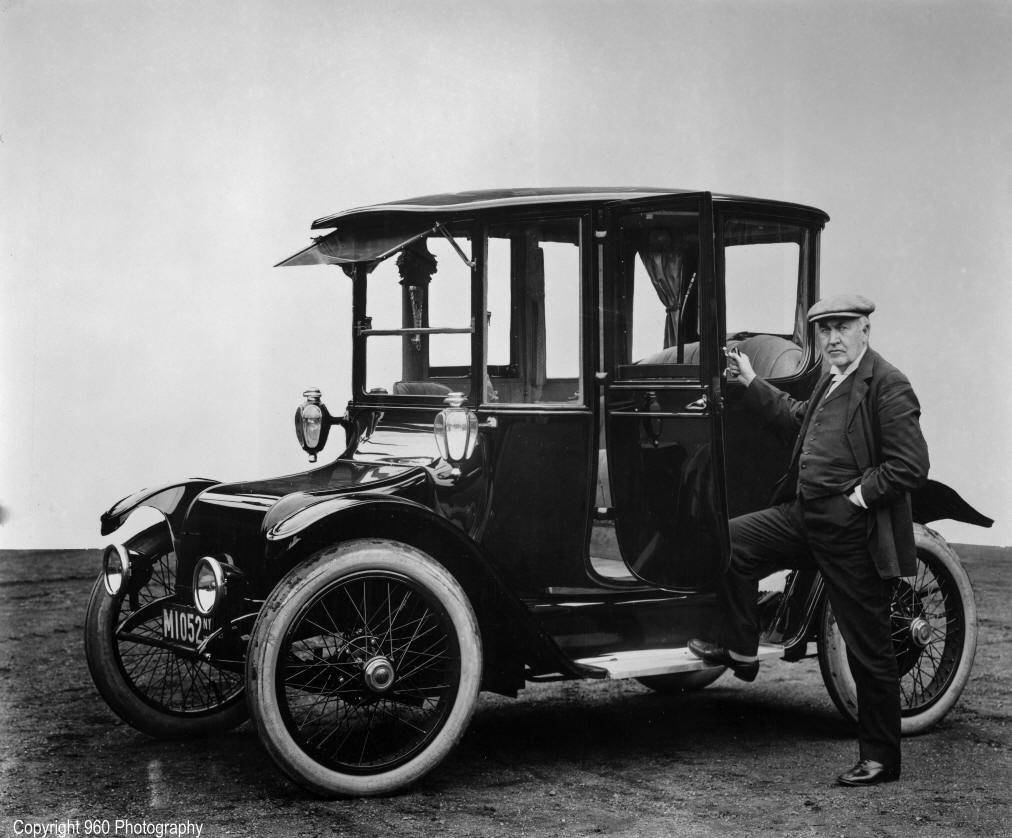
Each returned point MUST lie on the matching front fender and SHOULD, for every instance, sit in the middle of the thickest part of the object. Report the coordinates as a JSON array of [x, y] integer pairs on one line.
[[510, 633], [934, 501], [172, 500], [278, 528]]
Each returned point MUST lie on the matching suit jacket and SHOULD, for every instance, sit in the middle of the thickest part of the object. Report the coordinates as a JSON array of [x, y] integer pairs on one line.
[[884, 434]]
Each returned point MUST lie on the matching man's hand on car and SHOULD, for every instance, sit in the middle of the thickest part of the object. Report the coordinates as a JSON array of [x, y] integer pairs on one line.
[[739, 367]]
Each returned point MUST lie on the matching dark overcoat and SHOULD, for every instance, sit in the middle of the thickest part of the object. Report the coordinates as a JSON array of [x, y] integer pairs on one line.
[[884, 433]]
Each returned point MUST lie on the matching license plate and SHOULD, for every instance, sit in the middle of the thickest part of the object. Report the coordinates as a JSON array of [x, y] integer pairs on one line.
[[184, 625]]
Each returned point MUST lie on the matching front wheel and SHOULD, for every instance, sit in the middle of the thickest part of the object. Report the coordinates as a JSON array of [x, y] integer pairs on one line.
[[152, 688], [364, 667], [934, 624]]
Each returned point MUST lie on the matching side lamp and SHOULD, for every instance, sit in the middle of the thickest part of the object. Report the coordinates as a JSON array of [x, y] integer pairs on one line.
[[456, 431], [312, 423]]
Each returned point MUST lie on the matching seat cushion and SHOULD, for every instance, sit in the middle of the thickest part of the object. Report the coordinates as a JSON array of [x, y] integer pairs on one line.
[[771, 355], [420, 388]]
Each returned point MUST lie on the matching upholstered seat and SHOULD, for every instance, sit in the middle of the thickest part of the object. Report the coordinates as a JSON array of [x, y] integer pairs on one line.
[[771, 355], [420, 388]]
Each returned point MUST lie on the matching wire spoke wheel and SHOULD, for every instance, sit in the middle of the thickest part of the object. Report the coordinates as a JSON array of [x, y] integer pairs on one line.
[[929, 628], [370, 670], [365, 667], [155, 689], [934, 632]]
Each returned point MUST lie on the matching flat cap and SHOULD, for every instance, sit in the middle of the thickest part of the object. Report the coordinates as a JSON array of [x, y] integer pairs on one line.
[[842, 305]]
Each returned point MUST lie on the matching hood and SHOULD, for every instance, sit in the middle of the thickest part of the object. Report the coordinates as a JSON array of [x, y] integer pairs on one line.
[[339, 477]]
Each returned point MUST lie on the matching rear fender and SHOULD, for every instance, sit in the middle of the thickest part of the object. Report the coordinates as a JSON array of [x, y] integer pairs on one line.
[[511, 636], [172, 500], [935, 501]]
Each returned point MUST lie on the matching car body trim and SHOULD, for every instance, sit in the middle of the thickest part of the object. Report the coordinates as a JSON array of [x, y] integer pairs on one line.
[[240, 501], [305, 517]]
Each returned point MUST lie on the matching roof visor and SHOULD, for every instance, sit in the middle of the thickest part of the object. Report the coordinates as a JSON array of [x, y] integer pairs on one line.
[[346, 247], [370, 244]]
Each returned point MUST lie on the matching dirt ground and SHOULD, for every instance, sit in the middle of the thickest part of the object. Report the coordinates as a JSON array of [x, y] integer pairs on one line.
[[568, 759]]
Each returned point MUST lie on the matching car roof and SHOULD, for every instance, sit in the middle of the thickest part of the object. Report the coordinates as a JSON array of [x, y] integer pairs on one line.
[[493, 199]]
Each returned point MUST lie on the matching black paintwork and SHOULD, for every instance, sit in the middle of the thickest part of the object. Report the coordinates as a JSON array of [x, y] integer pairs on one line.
[[516, 525]]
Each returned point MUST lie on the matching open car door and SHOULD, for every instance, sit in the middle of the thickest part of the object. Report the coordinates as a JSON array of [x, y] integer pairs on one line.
[[663, 404]]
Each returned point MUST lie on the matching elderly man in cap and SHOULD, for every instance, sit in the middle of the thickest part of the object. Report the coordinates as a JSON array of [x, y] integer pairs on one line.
[[844, 505]]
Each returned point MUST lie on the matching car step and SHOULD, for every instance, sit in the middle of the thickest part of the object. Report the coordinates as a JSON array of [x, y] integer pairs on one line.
[[641, 662]]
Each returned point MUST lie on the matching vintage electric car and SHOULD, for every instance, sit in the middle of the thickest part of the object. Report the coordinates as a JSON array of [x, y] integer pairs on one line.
[[533, 481]]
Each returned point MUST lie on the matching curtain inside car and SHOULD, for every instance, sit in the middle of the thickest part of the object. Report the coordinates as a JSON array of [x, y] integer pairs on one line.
[[669, 268]]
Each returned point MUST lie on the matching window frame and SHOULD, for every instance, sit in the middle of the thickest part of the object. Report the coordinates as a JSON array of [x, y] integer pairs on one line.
[[362, 331], [582, 217], [479, 231], [808, 268], [616, 355]]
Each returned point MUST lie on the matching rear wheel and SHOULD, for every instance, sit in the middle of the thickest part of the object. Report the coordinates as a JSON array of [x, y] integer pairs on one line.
[[934, 624], [154, 689], [364, 668]]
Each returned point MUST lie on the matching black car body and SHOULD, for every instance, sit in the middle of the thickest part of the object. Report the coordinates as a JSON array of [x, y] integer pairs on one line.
[[540, 407]]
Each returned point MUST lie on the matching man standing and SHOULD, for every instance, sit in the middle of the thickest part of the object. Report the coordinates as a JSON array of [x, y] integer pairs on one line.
[[844, 505]]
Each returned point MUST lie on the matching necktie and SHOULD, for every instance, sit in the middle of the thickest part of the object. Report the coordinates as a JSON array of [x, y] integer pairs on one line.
[[837, 378]]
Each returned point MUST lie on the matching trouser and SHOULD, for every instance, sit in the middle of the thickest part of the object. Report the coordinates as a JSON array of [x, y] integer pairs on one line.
[[832, 533]]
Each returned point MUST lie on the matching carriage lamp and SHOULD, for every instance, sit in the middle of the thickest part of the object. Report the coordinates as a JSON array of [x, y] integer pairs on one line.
[[312, 423], [115, 568], [456, 431]]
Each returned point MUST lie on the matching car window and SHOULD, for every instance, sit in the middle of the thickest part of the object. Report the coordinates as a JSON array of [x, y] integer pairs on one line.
[[533, 312], [765, 266], [762, 272], [423, 295], [660, 272]]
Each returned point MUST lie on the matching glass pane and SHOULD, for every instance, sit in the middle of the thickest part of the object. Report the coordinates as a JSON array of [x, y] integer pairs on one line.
[[763, 280], [385, 365], [660, 261], [498, 302], [761, 285], [426, 285], [562, 310], [533, 303], [648, 316], [450, 289]]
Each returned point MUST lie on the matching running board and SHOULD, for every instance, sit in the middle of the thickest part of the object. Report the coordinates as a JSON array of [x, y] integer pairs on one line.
[[642, 662]]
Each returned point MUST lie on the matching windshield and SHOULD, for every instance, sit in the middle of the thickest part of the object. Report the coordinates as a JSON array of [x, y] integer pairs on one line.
[[423, 314], [418, 318]]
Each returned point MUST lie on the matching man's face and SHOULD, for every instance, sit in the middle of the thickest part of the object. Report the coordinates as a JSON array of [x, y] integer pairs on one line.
[[842, 339]]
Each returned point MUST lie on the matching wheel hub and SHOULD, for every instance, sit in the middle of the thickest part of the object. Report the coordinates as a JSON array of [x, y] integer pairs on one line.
[[920, 632], [378, 674]]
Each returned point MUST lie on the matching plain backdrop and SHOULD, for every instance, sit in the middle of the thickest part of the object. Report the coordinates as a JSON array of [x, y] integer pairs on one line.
[[157, 158]]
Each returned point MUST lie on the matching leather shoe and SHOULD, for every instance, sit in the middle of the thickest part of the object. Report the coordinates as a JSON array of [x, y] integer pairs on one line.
[[868, 773], [719, 656]]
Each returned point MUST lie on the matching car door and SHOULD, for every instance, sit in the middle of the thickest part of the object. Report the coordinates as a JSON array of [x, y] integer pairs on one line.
[[663, 394], [544, 433]]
